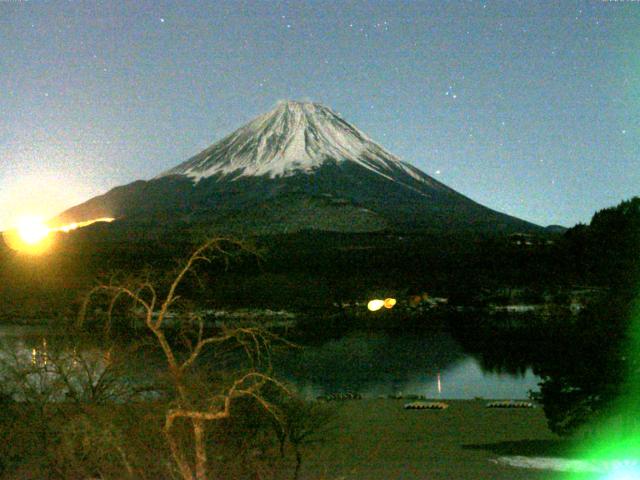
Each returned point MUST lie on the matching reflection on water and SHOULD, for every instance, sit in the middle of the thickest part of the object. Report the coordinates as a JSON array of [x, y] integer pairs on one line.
[[36, 366], [372, 364], [467, 379], [433, 365]]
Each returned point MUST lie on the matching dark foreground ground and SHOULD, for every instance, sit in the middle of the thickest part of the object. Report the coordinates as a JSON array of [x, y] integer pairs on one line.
[[378, 439]]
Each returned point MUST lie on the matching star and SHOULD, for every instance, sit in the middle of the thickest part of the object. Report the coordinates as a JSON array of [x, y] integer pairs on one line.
[[162, 20]]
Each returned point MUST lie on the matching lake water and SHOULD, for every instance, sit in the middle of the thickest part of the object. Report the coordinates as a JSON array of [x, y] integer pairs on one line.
[[372, 364], [376, 364]]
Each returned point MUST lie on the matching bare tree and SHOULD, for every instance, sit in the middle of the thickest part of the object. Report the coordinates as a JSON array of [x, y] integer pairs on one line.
[[304, 423], [155, 308]]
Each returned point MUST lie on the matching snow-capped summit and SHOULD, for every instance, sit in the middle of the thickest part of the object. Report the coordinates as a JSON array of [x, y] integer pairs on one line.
[[299, 166], [293, 137]]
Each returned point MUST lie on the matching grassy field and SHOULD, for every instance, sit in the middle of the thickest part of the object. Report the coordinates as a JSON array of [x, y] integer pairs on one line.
[[378, 439]]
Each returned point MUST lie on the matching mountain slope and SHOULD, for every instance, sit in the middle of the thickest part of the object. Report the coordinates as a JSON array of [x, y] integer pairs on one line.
[[294, 137], [299, 166]]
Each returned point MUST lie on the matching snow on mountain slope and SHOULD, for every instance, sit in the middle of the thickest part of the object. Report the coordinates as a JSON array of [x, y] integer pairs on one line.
[[294, 137], [299, 166]]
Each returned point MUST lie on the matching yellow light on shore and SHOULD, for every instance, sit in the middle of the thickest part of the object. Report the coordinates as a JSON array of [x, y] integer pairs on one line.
[[389, 302], [375, 305]]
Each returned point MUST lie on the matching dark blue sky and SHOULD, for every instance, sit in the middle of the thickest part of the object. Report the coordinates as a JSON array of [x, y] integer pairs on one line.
[[529, 107]]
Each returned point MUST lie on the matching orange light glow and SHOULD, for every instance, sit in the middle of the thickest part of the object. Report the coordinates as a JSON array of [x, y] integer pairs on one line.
[[68, 228], [76, 225], [32, 235], [389, 302]]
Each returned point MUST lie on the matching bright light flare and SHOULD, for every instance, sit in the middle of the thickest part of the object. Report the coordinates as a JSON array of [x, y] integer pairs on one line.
[[33, 236], [624, 470], [68, 228], [32, 230], [76, 225], [375, 305]]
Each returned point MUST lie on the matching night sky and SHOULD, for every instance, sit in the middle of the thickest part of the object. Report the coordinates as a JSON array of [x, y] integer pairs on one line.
[[528, 107]]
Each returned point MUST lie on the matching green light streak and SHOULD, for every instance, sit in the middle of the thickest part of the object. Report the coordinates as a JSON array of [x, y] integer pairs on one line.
[[613, 443]]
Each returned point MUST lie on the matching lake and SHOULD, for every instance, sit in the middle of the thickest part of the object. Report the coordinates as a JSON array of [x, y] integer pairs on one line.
[[376, 364], [380, 364]]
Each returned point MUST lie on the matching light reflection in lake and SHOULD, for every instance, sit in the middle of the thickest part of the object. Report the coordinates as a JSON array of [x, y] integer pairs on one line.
[[35, 365], [377, 364], [372, 364]]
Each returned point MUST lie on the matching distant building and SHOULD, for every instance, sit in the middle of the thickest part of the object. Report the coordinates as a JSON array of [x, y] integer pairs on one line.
[[528, 240]]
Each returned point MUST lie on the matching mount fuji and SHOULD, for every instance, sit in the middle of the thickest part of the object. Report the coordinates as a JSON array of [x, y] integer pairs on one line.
[[299, 166]]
